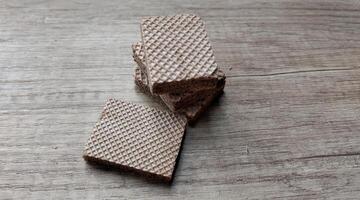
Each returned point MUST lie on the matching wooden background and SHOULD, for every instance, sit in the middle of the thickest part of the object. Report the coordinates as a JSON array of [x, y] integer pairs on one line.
[[287, 127]]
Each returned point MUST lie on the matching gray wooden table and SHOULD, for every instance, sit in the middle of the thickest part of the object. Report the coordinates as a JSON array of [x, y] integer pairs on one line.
[[287, 127]]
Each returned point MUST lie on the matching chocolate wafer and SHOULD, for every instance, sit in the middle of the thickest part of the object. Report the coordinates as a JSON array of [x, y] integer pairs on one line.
[[175, 101], [178, 53], [138, 138], [191, 112]]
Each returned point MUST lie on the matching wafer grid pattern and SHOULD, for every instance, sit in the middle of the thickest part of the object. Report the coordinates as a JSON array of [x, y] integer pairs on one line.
[[176, 48], [138, 137]]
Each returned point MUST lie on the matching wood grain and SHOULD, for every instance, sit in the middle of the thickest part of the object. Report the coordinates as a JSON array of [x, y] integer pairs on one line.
[[287, 127]]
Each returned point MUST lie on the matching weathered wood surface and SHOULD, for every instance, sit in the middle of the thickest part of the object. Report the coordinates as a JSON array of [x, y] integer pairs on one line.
[[287, 127]]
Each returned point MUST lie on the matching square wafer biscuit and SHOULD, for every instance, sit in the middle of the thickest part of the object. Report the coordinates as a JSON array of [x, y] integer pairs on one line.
[[178, 53], [138, 138], [175, 101]]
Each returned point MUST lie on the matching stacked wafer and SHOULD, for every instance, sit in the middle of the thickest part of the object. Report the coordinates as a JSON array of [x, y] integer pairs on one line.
[[175, 64]]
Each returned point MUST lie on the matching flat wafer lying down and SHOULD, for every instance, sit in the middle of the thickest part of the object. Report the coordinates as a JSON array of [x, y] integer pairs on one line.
[[176, 101], [138, 138], [192, 112]]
